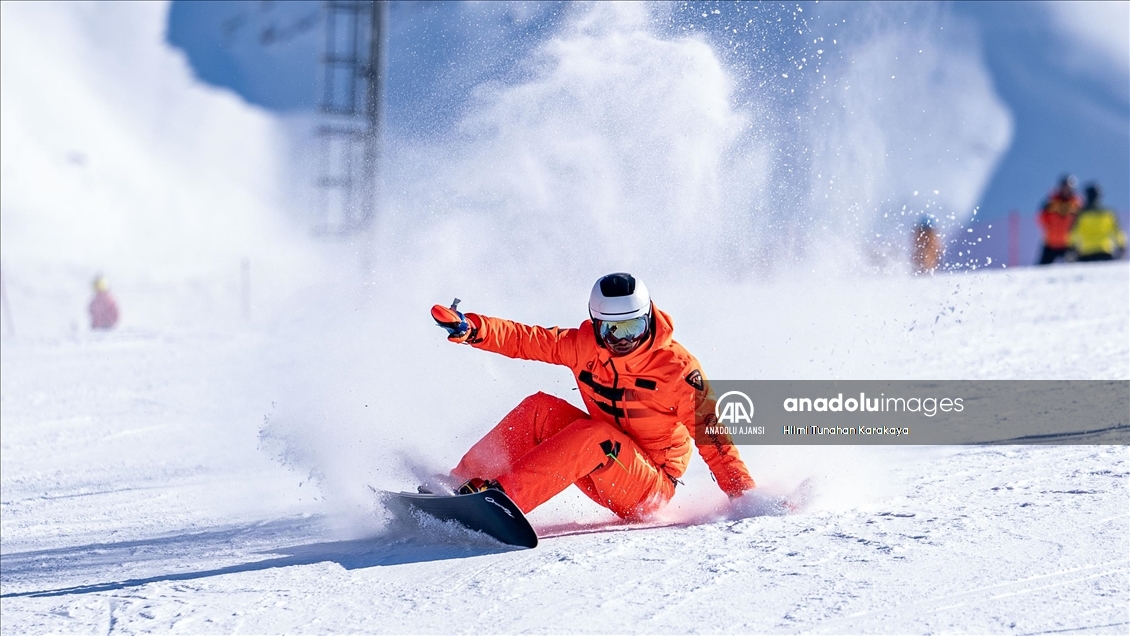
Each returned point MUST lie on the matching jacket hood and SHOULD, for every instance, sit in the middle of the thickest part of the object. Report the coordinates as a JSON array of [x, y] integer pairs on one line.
[[664, 330]]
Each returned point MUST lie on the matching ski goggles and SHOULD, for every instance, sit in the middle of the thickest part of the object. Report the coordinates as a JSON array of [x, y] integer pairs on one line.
[[631, 329]]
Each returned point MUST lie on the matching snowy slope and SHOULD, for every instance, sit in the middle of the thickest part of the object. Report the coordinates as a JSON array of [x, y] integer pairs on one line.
[[926, 561], [197, 472], [135, 497], [115, 160]]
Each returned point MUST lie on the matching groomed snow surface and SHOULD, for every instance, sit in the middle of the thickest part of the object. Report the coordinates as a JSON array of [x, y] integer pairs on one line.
[[141, 492], [202, 471]]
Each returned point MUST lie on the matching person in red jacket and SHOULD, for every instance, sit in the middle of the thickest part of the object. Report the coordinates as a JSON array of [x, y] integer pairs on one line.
[[643, 394], [103, 307], [1056, 218]]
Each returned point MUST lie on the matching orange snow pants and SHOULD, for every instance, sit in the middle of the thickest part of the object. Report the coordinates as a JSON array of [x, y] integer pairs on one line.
[[545, 444]]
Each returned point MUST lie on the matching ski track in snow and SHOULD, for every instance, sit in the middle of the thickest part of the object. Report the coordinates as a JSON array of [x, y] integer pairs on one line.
[[135, 500]]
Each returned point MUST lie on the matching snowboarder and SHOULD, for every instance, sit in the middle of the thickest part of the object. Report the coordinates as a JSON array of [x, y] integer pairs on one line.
[[1056, 217], [1096, 235], [103, 307], [644, 394]]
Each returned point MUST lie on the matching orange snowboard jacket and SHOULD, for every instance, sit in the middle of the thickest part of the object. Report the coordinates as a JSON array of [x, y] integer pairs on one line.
[[655, 394], [1056, 219]]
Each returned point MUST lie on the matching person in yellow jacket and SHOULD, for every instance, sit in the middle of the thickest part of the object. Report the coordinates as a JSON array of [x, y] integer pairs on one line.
[[1095, 234]]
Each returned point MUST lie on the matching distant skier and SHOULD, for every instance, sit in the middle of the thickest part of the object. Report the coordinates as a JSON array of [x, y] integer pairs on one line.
[[103, 307], [1056, 217], [926, 248], [643, 392], [1096, 235]]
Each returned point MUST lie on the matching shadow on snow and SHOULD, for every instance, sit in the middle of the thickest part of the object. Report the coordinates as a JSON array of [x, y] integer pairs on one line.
[[191, 553]]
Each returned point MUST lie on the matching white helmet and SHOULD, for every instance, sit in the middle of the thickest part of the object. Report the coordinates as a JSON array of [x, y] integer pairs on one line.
[[620, 308], [619, 296]]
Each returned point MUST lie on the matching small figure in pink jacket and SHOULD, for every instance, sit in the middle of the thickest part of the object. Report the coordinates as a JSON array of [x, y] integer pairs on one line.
[[103, 308]]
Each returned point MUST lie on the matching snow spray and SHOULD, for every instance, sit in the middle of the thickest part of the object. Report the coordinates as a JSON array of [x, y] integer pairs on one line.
[[625, 142]]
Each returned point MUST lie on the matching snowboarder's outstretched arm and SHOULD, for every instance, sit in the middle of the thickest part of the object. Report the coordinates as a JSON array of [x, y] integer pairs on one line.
[[512, 339], [717, 450]]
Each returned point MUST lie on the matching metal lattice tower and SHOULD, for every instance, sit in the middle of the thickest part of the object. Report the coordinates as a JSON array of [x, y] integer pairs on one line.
[[350, 107]]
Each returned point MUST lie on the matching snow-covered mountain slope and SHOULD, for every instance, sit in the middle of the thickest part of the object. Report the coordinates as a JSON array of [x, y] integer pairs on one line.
[[138, 494], [115, 160], [195, 471]]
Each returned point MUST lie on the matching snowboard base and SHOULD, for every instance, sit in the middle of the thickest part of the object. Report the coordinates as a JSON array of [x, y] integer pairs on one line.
[[490, 512]]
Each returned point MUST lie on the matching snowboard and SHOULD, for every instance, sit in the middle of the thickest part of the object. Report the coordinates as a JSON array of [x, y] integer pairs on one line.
[[490, 512]]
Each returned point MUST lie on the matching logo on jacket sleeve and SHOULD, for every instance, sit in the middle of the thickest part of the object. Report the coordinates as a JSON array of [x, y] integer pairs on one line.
[[694, 378]]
